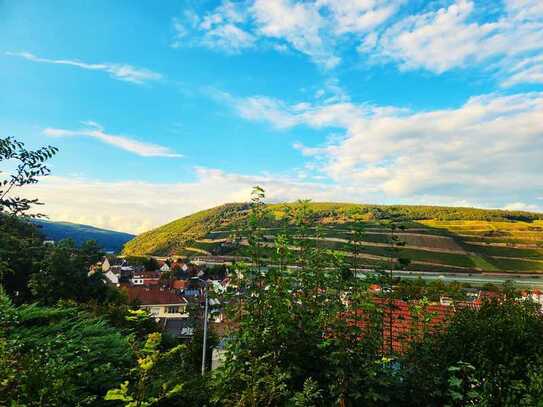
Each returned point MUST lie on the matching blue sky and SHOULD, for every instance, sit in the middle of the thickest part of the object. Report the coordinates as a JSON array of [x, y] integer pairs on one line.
[[161, 110]]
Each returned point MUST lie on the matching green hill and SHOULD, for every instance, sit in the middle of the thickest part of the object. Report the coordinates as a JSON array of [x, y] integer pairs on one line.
[[436, 238], [108, 240]]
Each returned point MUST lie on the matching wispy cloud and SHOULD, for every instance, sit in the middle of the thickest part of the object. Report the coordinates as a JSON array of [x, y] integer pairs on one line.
[[313, 28], [220, 29], [94, 130], [122, 72], [300, 24]]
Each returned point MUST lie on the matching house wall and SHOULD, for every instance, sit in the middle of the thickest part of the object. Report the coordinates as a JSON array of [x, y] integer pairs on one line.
[[161, 310], [217, 358], [112, 277]]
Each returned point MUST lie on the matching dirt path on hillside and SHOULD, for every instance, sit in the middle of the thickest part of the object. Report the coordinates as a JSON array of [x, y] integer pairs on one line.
[[517, 258], [407, 246], [197, 250], [505, 245]]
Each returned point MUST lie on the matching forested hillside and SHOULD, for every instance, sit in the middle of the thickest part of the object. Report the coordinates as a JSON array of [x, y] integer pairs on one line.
[[435, 238], [108, 240]]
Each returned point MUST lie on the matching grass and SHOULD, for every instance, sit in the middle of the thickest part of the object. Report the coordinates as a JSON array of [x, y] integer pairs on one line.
[[517, 265], [483, 264], [506, 251]]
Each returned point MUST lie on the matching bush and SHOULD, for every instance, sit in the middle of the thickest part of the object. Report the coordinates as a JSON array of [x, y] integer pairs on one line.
[[502, 341]]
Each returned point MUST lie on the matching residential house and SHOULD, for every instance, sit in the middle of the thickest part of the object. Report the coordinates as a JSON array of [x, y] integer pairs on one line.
[[145, 278], [161, 303], [116, 270]]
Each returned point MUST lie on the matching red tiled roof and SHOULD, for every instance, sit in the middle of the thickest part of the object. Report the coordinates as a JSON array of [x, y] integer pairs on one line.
[[152, 296], [179, 284], [401, 324]]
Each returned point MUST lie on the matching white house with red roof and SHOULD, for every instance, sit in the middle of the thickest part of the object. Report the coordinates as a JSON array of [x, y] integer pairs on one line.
[[158, 301]]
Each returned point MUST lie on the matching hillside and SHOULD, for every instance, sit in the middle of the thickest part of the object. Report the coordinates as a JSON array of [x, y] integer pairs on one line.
[[109, 240], [436, 238]]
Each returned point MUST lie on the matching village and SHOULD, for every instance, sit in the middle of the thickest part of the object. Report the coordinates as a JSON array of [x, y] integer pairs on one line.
[[169, 288]]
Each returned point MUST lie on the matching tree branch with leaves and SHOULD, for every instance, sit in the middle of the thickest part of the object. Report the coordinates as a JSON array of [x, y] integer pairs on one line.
[[30, 164]]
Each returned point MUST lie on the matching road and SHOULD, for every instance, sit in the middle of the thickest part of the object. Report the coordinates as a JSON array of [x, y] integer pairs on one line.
[[520, 280], [477, 279]]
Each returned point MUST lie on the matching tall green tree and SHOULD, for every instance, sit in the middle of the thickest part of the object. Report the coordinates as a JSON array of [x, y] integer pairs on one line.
[[297, 327], [20, 243], [65, 274]]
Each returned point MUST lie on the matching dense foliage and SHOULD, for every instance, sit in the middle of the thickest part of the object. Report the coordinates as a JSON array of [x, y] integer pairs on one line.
[[492, 355], [33, 271], [296, 343], [58, 356], [21, 252], [172, 236], [300, 339]]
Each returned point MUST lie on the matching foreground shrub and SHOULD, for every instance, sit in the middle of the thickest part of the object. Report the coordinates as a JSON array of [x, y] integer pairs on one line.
[[489, 356]]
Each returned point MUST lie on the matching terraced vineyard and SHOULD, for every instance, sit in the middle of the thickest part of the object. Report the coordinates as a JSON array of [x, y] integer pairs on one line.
[[436, 238]]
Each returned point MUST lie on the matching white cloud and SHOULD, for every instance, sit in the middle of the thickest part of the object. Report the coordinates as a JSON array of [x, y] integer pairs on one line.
[[134, 206], [437, 40], [493, 144], [299, 24], [180, 33], [521, 206], [528, 70], [94, 130], [450, 37], [314, 28], [268, 109], [228, 37], [508, 46], [122, 72], [355, 16], [220, 29]]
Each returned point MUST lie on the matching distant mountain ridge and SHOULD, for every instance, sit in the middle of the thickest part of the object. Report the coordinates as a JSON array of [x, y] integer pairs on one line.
[[437, 238], [109, 240]]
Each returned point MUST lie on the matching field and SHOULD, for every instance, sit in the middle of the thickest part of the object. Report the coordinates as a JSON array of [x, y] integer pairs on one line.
[[435, 238]]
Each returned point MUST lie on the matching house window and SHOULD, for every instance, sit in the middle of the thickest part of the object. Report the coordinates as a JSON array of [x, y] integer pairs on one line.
[[172, 310], [155, 310]]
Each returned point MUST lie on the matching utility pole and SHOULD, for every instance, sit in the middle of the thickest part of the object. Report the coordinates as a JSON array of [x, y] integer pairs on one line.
[[204, 347]]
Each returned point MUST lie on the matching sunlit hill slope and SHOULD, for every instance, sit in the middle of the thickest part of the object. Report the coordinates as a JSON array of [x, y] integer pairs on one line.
[[436, 238]]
